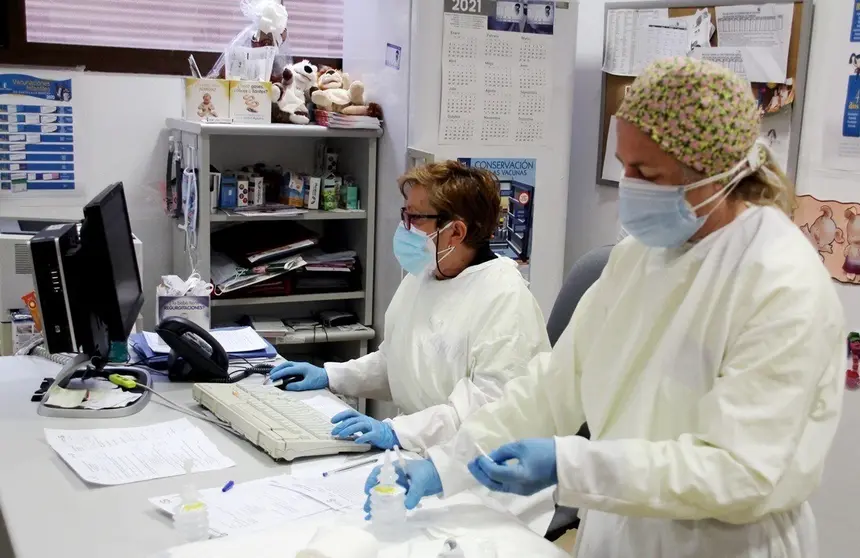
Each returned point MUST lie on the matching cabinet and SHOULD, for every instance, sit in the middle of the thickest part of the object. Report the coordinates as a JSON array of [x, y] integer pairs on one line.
[[232, 146]]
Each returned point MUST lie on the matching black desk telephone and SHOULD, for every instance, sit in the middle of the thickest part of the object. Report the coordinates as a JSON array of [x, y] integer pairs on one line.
[[195, 356]]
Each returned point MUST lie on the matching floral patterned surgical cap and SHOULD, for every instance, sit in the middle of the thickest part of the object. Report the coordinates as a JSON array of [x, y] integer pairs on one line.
[[702, 114]]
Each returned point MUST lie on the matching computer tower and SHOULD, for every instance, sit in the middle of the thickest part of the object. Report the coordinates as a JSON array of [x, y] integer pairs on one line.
[[54, 251]]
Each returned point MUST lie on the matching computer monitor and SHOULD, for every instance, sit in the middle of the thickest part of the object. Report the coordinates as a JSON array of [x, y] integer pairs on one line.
[[106, 235], [88, 287]]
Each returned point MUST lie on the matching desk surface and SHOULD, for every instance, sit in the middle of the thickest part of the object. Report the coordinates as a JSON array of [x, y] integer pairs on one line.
[[50, 511]]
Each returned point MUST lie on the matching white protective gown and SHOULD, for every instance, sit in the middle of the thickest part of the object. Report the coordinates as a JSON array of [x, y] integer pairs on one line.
[[711, 378], [450, 347]]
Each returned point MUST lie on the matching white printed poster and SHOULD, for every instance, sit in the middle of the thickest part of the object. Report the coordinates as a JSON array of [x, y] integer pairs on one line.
[[36, 134], [496, 74]]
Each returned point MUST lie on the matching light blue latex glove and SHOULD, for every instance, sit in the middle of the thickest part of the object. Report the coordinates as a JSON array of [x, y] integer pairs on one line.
[[374, 432], [533, 470], [313, 377], [420, 479]]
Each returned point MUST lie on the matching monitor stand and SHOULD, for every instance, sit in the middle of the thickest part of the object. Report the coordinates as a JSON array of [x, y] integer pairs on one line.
[[80, 366]]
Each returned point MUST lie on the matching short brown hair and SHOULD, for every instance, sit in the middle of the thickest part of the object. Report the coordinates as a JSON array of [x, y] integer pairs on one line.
[[460, 193]]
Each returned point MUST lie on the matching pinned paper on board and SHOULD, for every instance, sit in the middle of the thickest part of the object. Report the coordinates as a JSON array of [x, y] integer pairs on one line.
[[760, 35], [751, 63], [612, 167], [636, 38], [776, 131], [833, 228]]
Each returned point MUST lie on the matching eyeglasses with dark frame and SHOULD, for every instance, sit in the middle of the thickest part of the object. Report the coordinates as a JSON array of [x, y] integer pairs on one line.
[[408, 219]]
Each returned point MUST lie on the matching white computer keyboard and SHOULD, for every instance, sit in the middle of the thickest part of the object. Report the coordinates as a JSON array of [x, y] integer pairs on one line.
[[274, 420]]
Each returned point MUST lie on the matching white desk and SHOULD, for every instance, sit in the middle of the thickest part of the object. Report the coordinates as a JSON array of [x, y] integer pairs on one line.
[[50, 511]]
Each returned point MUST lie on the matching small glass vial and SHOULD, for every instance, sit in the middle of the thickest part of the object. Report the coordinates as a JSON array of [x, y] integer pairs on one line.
[[191, 517], [387, 498]]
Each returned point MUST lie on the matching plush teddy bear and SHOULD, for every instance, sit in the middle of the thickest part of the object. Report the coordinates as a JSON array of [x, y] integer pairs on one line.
[[288, 102], [335, 92]]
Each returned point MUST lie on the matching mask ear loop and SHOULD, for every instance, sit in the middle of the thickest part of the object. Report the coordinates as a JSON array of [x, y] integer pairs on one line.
[[748, 167], [436, 244]]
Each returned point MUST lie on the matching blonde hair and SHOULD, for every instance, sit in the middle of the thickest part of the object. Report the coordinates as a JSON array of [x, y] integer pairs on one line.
[[768, 186]]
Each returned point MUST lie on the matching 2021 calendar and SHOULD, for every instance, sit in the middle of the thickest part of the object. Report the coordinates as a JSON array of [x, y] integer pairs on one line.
[[496, 78]]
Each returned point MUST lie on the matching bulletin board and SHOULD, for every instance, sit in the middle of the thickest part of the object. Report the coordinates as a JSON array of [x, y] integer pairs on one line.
[[613, 86]]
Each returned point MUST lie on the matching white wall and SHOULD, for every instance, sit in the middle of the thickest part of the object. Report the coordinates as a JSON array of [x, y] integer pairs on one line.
[[592, 222], [119, 136]]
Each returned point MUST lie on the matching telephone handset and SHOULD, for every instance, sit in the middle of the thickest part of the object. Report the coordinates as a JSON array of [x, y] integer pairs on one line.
[[195, 356]]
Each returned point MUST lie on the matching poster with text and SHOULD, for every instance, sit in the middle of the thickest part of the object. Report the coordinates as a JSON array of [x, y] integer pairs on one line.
[[841, 145], [496, 74], [833, 228], [513, 236], [37, 120]]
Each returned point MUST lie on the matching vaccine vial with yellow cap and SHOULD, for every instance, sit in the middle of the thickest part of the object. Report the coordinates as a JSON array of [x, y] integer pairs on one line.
[[387, 499]]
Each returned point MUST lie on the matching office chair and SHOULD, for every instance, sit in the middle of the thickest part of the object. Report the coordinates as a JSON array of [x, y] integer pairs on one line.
[[585, 271]]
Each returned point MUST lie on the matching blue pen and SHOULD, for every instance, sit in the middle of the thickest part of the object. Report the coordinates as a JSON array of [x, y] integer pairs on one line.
[[227, 486]]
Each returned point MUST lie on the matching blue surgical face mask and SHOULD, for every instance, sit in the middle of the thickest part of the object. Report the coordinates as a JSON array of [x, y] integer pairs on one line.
[[661, 217], [416, 251]]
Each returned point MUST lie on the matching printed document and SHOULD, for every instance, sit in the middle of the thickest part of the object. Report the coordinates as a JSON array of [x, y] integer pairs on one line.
[[763, 30], [751, 63], [622, 30], [111, 456], [249, 506]]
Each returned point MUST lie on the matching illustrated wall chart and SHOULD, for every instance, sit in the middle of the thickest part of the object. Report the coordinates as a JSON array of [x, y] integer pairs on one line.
[[833, 228], [36, 134], [496, 74]]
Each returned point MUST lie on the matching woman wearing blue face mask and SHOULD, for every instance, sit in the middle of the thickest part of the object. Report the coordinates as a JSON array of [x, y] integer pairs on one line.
[[460, 326], [708, 360]]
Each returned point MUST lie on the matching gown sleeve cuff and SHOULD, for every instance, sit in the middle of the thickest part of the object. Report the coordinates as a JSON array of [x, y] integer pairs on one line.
[[453, 473], [338, 377], [571, 481]]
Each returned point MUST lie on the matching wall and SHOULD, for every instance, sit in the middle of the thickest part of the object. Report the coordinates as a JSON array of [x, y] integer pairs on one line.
[[120, 136], [592, 222]]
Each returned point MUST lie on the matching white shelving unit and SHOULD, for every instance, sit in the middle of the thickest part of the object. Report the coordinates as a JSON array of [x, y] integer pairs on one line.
[[232, 146]]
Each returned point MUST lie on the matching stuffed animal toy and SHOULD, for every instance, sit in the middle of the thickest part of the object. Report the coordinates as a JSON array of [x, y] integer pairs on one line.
[[288, 102], [304, 77], [335, 92]]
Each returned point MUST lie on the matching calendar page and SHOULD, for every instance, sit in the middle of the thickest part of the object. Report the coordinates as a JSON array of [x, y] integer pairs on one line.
[[496, 79]]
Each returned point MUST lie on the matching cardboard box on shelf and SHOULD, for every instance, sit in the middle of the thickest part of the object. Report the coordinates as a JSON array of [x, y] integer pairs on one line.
[[207, 100], [251, 102]]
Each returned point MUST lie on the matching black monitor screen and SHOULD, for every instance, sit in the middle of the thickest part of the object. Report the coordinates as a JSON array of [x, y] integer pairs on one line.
[[106, 237]]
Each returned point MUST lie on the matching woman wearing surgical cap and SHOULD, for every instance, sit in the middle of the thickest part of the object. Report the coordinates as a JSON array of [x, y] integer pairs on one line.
[[707, 359]]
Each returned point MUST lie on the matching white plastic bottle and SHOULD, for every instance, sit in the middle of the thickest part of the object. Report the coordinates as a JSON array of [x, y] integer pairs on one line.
[[191, 518], [387, 499]]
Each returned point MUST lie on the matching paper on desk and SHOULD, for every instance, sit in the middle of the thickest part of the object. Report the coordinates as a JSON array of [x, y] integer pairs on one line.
[[765, 28], [338, 490], [239, 340], [65, 398], [111, 456], [248, 506], [109, 398], [751, 63], [313, 489]]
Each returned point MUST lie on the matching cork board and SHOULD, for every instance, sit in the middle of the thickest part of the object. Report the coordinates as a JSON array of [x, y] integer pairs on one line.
[[613, 86]]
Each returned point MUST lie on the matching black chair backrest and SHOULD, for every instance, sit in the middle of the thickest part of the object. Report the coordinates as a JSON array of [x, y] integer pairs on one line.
[[582, 275]]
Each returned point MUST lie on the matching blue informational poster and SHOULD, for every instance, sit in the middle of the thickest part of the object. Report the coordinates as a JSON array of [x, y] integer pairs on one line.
[[517, 179], [851, 118], [855, 23], [36, 134]]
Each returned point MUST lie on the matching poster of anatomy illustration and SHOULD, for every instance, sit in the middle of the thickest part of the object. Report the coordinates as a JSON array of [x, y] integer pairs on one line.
[[833, 228]]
